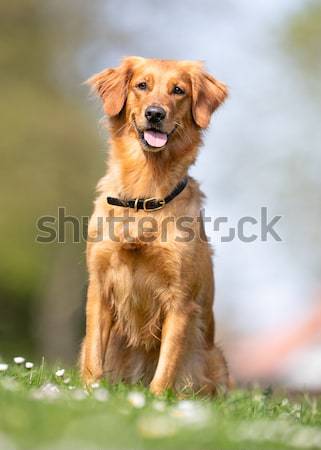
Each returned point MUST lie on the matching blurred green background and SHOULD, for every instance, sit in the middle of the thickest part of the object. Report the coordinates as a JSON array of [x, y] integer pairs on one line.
[[49, 157], [53, 147]]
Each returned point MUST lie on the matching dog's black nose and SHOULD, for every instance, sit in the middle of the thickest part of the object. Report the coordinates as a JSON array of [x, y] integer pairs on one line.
[[155, 114]]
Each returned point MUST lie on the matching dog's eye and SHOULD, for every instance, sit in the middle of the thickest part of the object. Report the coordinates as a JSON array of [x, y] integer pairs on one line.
[[142, 86], [177, 90]]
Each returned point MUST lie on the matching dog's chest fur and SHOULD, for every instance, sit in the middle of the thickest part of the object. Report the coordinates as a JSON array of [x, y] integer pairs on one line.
[[141, 283]]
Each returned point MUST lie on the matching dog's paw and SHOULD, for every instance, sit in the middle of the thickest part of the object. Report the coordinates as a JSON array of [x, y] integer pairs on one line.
[[89, 378], [157, 388]]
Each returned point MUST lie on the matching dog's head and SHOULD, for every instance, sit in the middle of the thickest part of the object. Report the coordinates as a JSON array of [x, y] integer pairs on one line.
[[165, 103]]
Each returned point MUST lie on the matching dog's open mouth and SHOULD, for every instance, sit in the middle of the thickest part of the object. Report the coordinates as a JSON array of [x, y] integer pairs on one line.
[[155, 138]]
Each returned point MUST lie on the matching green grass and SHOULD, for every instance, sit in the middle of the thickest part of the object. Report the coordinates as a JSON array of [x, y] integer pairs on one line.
[[62, 416]]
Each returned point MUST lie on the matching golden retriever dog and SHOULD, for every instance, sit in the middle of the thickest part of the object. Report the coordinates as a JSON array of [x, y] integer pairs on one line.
[[149, 316]]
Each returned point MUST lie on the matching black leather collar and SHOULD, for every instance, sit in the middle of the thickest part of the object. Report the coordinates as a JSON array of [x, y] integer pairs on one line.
[[149, 204]]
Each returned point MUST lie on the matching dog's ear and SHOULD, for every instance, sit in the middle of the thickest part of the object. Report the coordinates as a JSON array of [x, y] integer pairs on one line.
[[208, 94], [112, 86]]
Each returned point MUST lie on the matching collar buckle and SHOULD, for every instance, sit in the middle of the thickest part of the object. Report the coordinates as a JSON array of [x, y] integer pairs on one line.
[[161, 202]]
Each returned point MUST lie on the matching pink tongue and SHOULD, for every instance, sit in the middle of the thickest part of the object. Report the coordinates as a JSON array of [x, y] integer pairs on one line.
[[155, 138]]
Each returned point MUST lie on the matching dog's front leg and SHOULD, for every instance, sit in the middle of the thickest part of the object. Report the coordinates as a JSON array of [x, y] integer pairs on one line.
[[98, 325], [173, 339]]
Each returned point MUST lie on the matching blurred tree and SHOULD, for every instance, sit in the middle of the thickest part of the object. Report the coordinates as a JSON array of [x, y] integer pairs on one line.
[[49, 158], [304, 39]]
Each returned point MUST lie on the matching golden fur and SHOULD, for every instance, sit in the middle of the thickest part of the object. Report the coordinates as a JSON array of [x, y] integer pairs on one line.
[[149, 307]]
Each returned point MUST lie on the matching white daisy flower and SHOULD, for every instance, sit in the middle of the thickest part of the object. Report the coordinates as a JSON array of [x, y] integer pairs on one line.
[[136, 399], [159, 405], [79, 394], [95, 385], [19, 359], [29, 365], [101, 394], [48, 391], [60, 373], [191, 412], [3, 367]]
